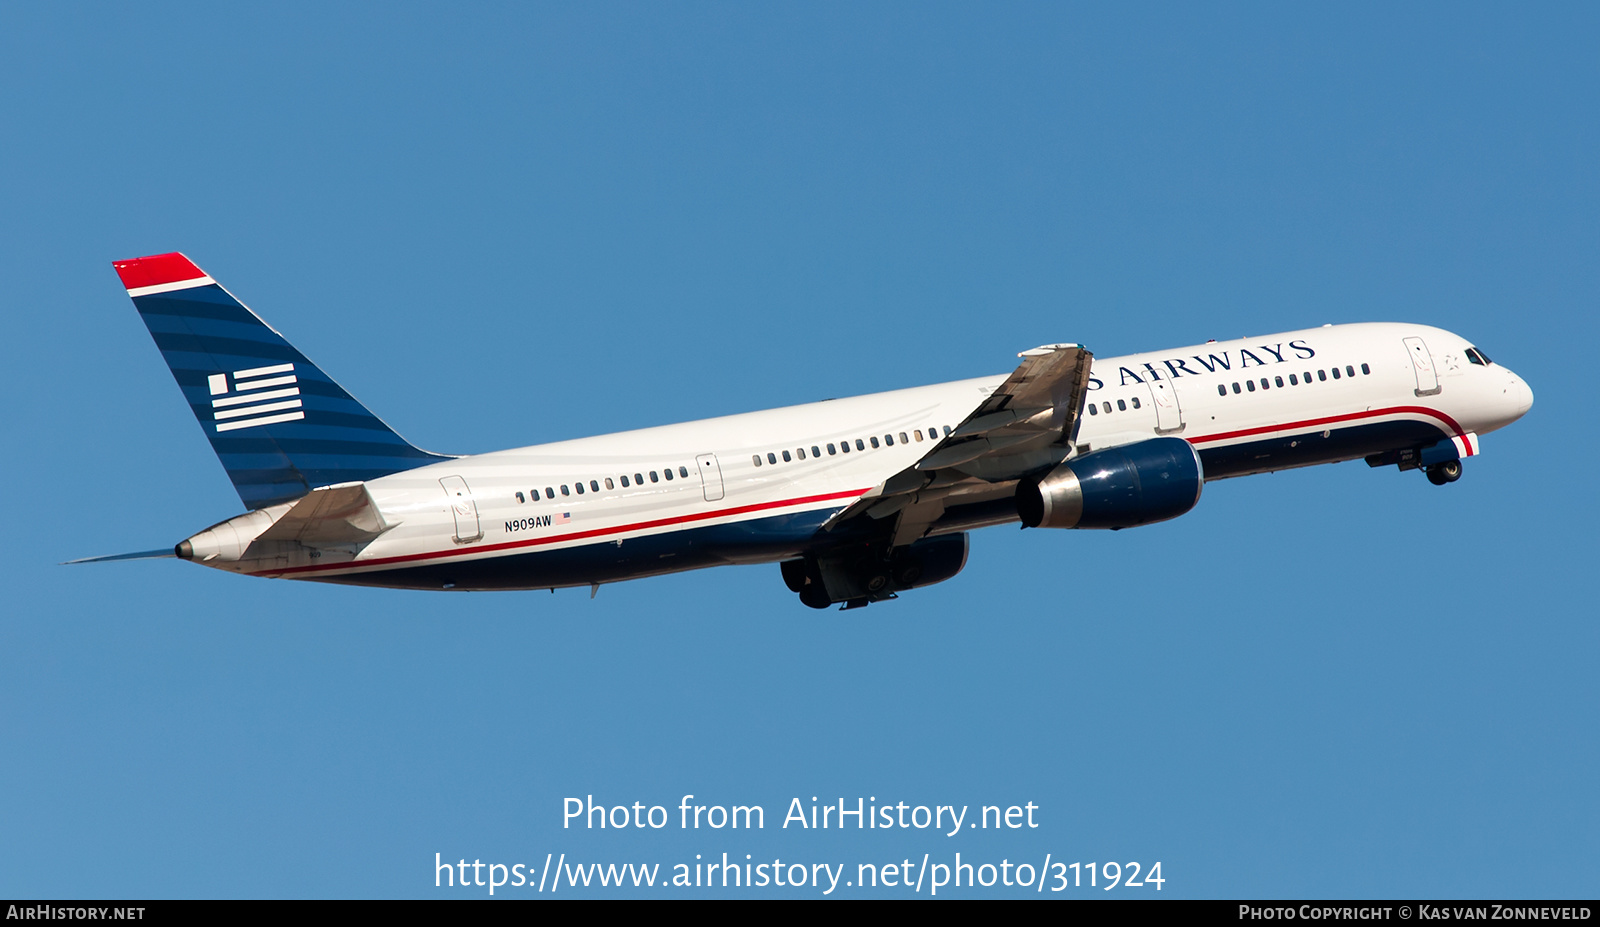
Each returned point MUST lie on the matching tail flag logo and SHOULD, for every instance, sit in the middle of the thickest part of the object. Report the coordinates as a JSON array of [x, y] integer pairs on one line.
[[259, 396]]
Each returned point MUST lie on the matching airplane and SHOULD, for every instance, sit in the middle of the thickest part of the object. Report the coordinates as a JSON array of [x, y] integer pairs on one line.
[[857, 499]]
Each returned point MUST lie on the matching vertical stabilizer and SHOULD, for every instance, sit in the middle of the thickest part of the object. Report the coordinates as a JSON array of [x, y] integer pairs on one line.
[[280, 426]]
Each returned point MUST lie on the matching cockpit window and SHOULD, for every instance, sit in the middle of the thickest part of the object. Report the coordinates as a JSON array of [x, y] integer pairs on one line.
[[1478, 357]]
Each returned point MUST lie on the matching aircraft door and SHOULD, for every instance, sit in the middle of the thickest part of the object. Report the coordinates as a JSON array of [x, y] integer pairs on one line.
[[1422, 365], [710, 476], [1169, 415], [463, 508]]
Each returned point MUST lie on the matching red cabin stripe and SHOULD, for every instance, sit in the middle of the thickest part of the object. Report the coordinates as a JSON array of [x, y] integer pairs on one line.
[[574, 536], [1330, 420]]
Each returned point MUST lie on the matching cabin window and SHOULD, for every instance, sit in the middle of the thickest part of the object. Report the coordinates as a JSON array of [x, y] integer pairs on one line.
[[624, 481], [1278, 382], [638, 478], [1236, 389], [653, 477], [874, 441], [1293, 381], [1136, 402], [683, 472], [594, 485], [947, 431], [861, 445], [903, 439], [667, 473], [1349, 371], [578, 487], [1222, 390], [755, 459], [1321, 375], [786, 457], [1250, 385], [1122, 406], [1265, 384], [816, 451], [831, 450], [1094, 409], [520, 499], [1365, 370], [1106, 406], [800, 452], [1336, 373], [609, 484], [564, 490], [889, 440], [771, 459], [549, 492], [918, 433]]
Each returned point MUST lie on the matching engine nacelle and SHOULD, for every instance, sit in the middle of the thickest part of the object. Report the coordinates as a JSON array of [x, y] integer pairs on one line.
[[1119, 487]]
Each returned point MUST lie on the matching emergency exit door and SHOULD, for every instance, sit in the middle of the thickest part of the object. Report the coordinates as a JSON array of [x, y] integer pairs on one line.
[[1422, 365], [710, 476], [1169, 415], [463, 508]]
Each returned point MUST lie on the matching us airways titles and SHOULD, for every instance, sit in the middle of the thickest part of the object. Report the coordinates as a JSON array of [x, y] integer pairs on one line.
[[1241, 359]]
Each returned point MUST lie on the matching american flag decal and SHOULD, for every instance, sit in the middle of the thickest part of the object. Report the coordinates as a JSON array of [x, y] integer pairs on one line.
[[563, 518], [259, 396]]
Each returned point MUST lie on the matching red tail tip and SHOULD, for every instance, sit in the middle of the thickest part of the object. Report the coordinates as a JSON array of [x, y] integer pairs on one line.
[[156, 270]]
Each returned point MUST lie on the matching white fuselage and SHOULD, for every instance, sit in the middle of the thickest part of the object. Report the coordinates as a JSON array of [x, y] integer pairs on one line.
[[1247, 406]]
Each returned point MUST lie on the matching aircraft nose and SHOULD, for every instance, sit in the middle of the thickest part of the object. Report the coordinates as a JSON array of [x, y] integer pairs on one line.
[[1520, 395]]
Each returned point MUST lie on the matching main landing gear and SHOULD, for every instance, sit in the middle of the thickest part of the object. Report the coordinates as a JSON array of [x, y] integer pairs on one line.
[[1441, 473], [855, 576]]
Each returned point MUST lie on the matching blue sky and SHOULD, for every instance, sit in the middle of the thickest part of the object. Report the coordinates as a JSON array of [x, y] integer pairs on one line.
[[500, 225]]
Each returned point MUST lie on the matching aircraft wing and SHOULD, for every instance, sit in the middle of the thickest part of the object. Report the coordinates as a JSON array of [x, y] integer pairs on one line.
[[1027, 424]]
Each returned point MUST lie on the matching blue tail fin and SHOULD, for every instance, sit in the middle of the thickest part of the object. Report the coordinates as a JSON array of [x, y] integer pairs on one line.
[[280, 426]]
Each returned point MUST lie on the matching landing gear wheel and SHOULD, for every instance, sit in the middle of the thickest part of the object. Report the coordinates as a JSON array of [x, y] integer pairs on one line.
[[1442, 473]]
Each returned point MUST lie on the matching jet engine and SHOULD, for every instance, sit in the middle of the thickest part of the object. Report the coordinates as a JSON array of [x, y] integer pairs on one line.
[[1119, 487]]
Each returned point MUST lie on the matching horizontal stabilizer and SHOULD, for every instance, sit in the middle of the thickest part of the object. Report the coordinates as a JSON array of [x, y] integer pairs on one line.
[[138, 555], [342, 514]]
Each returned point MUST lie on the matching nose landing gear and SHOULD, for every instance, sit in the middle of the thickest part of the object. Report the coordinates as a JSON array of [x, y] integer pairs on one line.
[[1446, 472]]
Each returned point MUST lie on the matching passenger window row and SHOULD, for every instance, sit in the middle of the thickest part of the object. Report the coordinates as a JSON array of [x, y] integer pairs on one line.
[[843, 447], [593, 486], [1266, 384], [1122, 406]]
